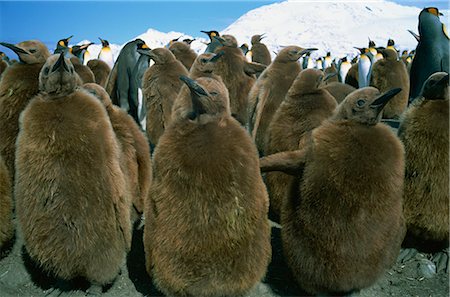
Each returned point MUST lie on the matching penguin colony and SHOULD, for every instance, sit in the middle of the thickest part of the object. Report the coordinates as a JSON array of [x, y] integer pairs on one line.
[[77, 145]]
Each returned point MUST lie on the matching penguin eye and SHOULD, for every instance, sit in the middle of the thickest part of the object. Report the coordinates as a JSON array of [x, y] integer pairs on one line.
[[214, 93], [46, 70], [32, 51], [360, 102], [203, 60]]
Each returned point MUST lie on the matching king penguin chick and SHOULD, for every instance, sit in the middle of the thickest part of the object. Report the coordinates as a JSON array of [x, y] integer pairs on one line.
[[100, 70], [389, 73], [135, 151], [106, 54], [352, 76], [237, 74], [183, 53], [63, 45], [432, 51], [119, 81], [83, 71], [304, 108], [342, 218], [424, 131], [72, 206], [161, 84], [204, 66], [6, 210], [18, 85], [338, 90], [270, 89], [260, 53], [206, 231]]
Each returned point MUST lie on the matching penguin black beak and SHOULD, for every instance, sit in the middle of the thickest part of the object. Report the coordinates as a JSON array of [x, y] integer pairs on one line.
[[85, 46], [262, 36], [383, 99], [196, 92], [60, 64], [416, 36], [217, 56], [306, 50], [14, 48]]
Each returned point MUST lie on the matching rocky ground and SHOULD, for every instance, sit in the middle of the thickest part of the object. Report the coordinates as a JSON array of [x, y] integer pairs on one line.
[[18, 277]]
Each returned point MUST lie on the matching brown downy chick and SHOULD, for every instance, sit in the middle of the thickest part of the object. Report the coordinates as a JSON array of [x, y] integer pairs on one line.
[[135, 151], [19, 83], [389, 73], [183, 53], [206, 231], [260, 53], [204, 66], [304, 108], [339, 90], [345, 206], [352, 76], [6, 210], [83, 71], [237, 74], [424, 131], [71, 200], [160, 86], [270, 90], [101, 71]]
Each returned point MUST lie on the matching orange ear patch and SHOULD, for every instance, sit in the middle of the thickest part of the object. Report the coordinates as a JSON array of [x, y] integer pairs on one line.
[[433, 10]]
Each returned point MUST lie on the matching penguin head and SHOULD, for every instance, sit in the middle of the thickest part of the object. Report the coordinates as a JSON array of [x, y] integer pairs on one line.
[[179, 47], [78, 50], [140, 44], [206, 62], [172, 41], [208, 97], [58, 76], [104, 42], [371, 43], [64, 42], [211, 34], [430, 25], [29, 52], [257, 38], [244, 48], [227, 40], [307, 81], [98, 92], [364, 106], [389, 54], [390, 42], [188, 41], [160, 55], [292, 53], [436, 87]]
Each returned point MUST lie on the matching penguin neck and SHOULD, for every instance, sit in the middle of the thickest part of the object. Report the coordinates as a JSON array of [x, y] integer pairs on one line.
[[429, 26]]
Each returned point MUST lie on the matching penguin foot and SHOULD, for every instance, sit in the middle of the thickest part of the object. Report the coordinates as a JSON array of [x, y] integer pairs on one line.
[[94, 290], [441, 260], [406, 254]]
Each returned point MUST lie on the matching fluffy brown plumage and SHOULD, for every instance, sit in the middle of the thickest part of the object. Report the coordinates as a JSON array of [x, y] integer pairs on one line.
[[424, 131], [70, 192], [206, 231], [3, 66], [304, 108], [160, 86], [270, 90], [342, 219], [101, 71], [260, 53], [135, 151], [238, 76], [83, 71], [352, 76], [204, 66], [6, 207], [391, 73], [18, 85], [183, 53], [339, 90]]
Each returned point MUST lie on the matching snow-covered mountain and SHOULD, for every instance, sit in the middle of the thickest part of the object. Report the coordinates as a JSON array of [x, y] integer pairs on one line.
[[335, 26]]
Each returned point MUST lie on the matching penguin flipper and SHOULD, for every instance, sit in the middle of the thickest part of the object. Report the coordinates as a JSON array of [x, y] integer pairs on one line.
[[289, 162], [251, 68], [257, 114]]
